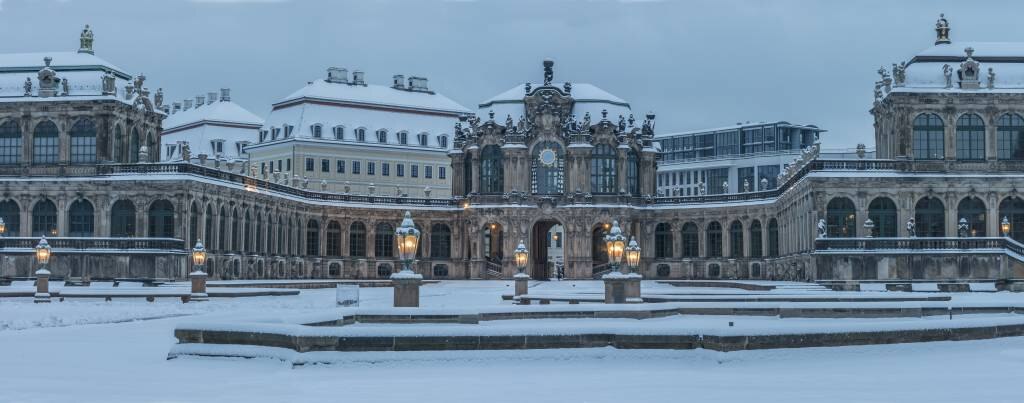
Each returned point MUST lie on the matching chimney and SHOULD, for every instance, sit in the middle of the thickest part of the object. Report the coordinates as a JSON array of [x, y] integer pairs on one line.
[[357, 78], [418, 84], [166, 109], [225, 94], [200, 101], [337, 75], [177, 107], [399, 82], [188, 105], [211, 97]]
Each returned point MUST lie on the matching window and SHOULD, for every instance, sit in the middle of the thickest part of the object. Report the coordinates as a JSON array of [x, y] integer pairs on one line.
[[422, 139], [122, 219], [288, 164], [401, 169], [770, 174], [882, 212], [930, 218], [240, 147], [928, 142], [217, 146], [161, 219], [970, 137], [717, 179], [664, 270], [714, 270], [428, 171], [10, 212], [440, 270], [44, 218], [384, 270], [46, 144], [745, 179], [632, 173], [1009, 137], [83, 142], [325, 165], [691, 240], [773, 238], [309, 164], [714, 234], [385, 169], [403, 138], [317, 131], [263, 136], [442, 141], [756, 248], [361, 135], [736, 239], [603, 175], [973, 210], [1012, 208], [357, 239], [841, 219], [414, 171], [355, 167], [440, 241], [491, 170], [288, 131], [382, 136], [441, 173], [339, 132], [333, 239], [80, 218], [384, 241], [663, 241], [340, 166], [312, 238], [10, 142], [547, 168], [371, 168], [170, 150]]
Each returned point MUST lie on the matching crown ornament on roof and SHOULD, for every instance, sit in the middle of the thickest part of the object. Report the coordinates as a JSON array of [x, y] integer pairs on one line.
[[942, 30], [85, 41]]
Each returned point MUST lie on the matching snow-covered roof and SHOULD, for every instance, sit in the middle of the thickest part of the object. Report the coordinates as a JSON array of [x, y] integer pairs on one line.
[[925, 72], [588, 99], [737, 127], [217, 112], [83, 71], [982, 50], [376, 95]]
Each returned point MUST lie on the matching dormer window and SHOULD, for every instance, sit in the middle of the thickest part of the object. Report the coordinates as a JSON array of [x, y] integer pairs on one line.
[[288, 131], [263, 136], [170, 150], [339, 132], [422, 139], [382, 136], [240, 147], [317, 131], [403, 138], [217, 146], [361, 134], [275, 132], [442, 141]]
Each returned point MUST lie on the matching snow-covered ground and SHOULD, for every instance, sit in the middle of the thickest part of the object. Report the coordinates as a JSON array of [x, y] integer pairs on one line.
[[96, 351]]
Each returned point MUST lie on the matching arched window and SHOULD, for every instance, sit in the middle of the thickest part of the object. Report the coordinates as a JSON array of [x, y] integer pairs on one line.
[[691, 240], [10, 142], [882, 212], [928, 138], [773, 238], [281, 224], [83, 142], [45, 143], [714, 234], [422, 139], [633, 173], [663, 240], [357, 239], [312, 238], [491, 171], [841, 217], [1009, 137], [208, 230], [1012, 208], [361, 135], [122, 219], [756, 248], [714, 270], [403, 138], [317, 130], [80, 218], [193, 225], [382, 136], [598, 249], [119, 146], [133, 146], [161, 219], [44, 218], [970, 137], [339, 132], [736, 239], [236, 235], [11, 213], [259, 233], [384, 241], [755, 270], [247, 233], [442, 141], [930, 217], [334, 269], [467, 175], [548, 168], [972, 209], [440, 241], [222, 227], [333, 239], [603, 175]]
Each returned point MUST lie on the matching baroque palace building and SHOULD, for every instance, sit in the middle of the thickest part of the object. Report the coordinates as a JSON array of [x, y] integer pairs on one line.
[[930, 204]]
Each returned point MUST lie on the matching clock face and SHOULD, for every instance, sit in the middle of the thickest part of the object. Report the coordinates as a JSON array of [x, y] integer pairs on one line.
[[548, 157]]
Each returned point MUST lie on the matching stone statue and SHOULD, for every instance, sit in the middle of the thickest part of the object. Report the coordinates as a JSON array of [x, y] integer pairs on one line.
[[899, 74], [622, 123], [948, 73], [764, 184], [85, 41], [822, 228], [725, 187], [109, 88], [528, 87], [962, 227], [586, 122], [143, 153], [746, 185], [941, 30], [631, 121], [186, 152], [348, 187], [567, 87], [509, 125], [158, 99], [700, 189], [911, 227], [878, 91], [64, 86], [426, 192], [549, 73], [48, 80], [28, 86], [861, 150], [323, 185], [991, 78], [371, 188], [305, 182]]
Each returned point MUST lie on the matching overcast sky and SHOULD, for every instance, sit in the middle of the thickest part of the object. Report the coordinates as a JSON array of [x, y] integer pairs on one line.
[[697, 64]]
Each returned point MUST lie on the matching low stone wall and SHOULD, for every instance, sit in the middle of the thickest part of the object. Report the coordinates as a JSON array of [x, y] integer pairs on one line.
[[158, 264], [718, 284]]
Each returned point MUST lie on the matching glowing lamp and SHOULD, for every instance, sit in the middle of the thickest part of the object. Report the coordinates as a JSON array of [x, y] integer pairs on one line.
[[1004, 226], [521, 255], [407, 237], [3, 226], [43, 251], [616, 243], [199, 254], [633, 254]]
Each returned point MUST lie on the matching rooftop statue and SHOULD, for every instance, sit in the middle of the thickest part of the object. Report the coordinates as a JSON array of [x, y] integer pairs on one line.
[[85, 41], [942, 30], [549, 73]]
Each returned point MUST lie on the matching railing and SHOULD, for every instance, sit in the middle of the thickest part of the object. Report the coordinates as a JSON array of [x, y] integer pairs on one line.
[[493, 270], [59, 244], [915, 244]]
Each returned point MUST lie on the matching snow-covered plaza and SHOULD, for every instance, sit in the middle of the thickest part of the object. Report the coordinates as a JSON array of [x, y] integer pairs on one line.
[[93, 350]]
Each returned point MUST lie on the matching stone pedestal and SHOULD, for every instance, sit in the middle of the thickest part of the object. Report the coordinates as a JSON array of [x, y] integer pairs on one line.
[[407, 289], [522, 283], [615, 288], [633, 287], [42, 286], [198, 286]]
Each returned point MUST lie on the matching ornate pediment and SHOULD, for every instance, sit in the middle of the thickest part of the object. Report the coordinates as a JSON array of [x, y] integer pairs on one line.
[[546, 108]]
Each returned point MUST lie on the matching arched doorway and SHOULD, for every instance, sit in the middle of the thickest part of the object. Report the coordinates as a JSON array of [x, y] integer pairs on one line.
[[493, 238], [546, 242]]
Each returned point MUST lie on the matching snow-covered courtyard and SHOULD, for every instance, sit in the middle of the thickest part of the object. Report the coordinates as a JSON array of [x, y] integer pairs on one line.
[[90, 350]]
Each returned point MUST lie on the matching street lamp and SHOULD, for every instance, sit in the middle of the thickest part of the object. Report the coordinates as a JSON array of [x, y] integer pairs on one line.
[[43, 254], [616, 244], [633, 255], [198, 276], [407, 237], [1004, 226], [869, 225], [522, 256], [198, 257]]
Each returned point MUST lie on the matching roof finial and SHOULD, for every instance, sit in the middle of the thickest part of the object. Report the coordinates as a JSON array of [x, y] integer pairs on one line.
[[85, 41], [549, 73], [942, 30]]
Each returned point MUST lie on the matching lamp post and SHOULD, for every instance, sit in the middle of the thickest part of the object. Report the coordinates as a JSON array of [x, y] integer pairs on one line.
[[870, 227], [633, 263], [522, 257], [198, 276], [1004, 226], [615, 281], [407, 282], [43, 254]]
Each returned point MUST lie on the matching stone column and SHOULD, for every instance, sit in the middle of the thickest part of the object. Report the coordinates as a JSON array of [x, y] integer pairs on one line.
[[42, 294], [522, 281], [198, 278], [615, 288], [407, 289]]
